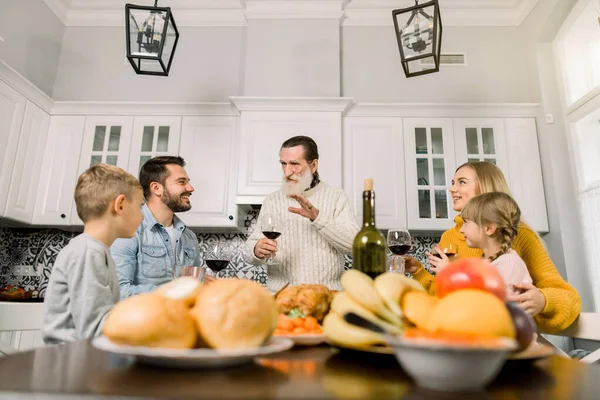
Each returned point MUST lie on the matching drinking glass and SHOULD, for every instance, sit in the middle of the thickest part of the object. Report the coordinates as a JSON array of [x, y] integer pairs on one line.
[[449, 249], [399, 243], [216, 259], [193, 271], [270, 228]]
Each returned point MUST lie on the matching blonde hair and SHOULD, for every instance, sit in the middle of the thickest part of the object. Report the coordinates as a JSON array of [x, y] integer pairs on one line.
[[489, 176], [100, 185], [496, 208]]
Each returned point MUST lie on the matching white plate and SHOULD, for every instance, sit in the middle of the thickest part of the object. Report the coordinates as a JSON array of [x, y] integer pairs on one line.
[[194, 358], [308, 339]]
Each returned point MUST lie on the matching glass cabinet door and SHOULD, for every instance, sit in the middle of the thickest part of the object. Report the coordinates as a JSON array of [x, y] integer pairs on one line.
[[480, 139], [152, 137], [429, 158], [106, 139]]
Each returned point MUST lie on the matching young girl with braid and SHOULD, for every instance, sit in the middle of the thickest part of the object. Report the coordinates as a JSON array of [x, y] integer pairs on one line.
[[491, 223]]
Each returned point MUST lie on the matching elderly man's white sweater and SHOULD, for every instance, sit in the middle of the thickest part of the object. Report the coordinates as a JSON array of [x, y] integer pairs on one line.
[[308, 251]]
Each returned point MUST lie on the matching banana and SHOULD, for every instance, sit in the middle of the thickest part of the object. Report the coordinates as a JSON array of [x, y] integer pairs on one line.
[[345, 334], [391, 286], [342, 303], [362, 289]]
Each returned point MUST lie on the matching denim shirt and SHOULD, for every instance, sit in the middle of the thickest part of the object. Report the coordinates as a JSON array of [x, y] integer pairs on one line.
[[147, 260]]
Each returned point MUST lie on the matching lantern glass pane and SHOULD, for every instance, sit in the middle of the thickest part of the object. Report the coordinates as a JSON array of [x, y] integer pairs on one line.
[[416, 31], [169, 44], [151, 65], [145, 32]]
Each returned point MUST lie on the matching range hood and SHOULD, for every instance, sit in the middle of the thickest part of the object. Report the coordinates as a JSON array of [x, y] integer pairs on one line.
[[266, 122]]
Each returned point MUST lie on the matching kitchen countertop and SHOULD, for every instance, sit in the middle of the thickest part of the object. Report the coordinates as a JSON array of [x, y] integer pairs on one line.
[[78, 369]]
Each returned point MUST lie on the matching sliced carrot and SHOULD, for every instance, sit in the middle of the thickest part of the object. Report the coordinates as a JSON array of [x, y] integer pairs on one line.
[[311, 323], [298, 322], [299, 329], [286, 325]]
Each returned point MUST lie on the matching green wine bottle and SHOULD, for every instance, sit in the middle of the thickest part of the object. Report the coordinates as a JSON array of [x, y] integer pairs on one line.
[[369, 249]]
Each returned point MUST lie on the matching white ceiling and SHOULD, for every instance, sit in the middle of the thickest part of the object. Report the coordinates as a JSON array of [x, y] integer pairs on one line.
[[237, 12]]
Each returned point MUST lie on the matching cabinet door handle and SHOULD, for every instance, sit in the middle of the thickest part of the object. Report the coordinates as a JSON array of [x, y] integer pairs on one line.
[[231, 217], [63, 216]]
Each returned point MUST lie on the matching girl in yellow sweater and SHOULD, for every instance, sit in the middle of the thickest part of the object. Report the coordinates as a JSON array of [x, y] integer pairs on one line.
[[552, 302]]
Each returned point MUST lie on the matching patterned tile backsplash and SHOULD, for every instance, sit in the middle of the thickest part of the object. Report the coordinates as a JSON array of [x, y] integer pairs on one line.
[[39, 247]]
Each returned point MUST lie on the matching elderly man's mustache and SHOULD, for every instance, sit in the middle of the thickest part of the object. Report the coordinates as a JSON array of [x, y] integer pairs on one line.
[[293, 178]]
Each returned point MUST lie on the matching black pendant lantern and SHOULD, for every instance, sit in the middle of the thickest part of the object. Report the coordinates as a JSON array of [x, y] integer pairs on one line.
[[151, 38], [419, 34]]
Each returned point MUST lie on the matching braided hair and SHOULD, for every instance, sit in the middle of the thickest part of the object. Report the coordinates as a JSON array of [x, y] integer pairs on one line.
[[496, 208]]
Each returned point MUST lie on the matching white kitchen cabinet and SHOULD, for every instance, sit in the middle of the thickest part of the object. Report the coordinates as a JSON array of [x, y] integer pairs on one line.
[[511, 144], [106, 139], [12, 109], [480, 139], [374, 148], [263, 132], [58, 177], [430, 164], [152, 137], [524, 171], [27, 164], [209, 147]]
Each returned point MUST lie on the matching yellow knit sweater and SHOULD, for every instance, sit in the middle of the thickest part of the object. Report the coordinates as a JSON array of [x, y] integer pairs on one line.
[[563, 304]]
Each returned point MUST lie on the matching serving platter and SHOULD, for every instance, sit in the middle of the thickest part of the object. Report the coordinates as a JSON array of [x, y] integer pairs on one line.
[[194, 358], [307, 339]]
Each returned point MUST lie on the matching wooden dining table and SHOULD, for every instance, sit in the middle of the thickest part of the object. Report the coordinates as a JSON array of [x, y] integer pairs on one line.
[[80, 370]]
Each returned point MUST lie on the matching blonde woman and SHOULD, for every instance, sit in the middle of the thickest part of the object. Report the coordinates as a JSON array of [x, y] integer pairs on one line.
[[491, 224], [552, 302]]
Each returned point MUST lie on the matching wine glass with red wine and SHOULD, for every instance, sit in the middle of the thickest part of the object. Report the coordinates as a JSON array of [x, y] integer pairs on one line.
[[449, 250], [216, 260], [271, 230], [399, 243]]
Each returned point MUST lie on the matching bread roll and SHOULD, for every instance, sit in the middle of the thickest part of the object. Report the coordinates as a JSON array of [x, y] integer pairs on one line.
[[185, 288], [151, 320], [235, 313]]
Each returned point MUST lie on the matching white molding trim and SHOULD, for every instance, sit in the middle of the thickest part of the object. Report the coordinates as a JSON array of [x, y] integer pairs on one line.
[[237, 12], [59, 8], [326, 104], [140, 108], [444, 110], [182, 18], [294, 9], [457, 13], [25, 87], [585, 105]]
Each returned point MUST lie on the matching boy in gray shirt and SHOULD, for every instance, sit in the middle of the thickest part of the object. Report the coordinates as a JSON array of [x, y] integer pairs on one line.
[[83, 285]]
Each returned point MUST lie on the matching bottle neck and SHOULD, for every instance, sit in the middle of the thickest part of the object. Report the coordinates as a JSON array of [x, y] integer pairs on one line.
[[368, 208]]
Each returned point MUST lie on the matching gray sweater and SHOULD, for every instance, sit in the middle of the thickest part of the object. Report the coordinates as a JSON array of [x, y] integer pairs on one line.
[[83, 288]]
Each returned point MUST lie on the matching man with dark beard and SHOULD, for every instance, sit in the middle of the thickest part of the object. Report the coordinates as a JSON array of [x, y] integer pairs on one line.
[[315, 220], [162, 243]]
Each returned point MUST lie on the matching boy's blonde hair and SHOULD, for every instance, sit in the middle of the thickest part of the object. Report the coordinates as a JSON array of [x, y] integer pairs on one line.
[[489, 176], [495, 208], [100, 185]]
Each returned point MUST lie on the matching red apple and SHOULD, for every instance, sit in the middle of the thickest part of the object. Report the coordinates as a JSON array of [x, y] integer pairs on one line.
[[470, 273]]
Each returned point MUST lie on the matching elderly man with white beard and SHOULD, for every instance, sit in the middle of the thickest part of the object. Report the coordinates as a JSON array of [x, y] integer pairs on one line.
[[315, 220]]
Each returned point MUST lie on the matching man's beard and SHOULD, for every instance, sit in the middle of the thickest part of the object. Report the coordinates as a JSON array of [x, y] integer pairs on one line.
[[174, 202], [298, 184]]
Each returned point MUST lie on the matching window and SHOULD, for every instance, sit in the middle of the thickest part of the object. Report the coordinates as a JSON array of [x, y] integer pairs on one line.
[[577, 50]]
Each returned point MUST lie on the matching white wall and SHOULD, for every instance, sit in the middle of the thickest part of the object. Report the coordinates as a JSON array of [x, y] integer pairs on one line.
[[207, 67], [32, 40], [293, 58], [501, 67]]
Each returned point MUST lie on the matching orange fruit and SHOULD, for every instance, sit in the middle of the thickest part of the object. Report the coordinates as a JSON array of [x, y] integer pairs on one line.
[[471, 311], [417, 307]]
